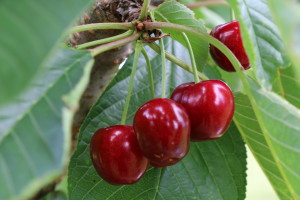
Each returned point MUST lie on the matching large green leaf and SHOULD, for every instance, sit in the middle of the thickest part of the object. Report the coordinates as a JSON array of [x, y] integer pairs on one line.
[[35, 128], [270, 127], [212, 170], [246, 121], [279, 121], [177, 13], [286, 14], [261, 39], [270, 123], [29, 32]]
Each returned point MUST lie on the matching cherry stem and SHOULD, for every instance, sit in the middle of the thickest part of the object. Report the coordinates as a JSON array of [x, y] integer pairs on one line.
[[207, 3], [177, 61], [232, 15], [194, 66], [138, 48], [95, 26], [164, 68], [115, 44], [144, 10], [150, 74], [105, 40]]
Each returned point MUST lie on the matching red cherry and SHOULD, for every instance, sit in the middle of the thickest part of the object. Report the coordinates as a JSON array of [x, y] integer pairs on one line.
[[210, 106], [163, 131], [230, 35], [117, 156]]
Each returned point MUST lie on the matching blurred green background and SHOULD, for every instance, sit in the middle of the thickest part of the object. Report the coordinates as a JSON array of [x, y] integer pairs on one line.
[[258, 187]]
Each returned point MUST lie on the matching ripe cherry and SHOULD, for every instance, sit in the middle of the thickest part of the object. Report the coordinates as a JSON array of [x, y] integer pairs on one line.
[[210, 106], [117, 156], [230, 35], [163, 131]]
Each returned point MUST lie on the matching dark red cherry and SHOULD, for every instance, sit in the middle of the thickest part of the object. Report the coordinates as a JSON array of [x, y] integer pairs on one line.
[[163, 131], [230, 35], [117, 156], [210, 106]]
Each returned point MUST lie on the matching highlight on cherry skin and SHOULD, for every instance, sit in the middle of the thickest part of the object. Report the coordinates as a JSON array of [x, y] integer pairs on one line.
[[179, 91], [116, 155], [210, 106], [230, 35], [162, 127]]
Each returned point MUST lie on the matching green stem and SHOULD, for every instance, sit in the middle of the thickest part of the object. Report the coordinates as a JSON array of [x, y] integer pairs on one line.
[[152, 15], [196, 78], [137, 52], [118, 43], [87, 27], [176, 60], [150, 74], [105, 40], [144, 10], [232, 15], [164, 68]]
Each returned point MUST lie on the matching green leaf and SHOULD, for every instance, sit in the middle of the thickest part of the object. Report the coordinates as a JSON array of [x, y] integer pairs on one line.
[[287, 17], [279, 121], [246, 121], [29, 33], [288, 86], [35, 128], [212, 16], [212, 170], [177, 13], [261, 39], [270, 127]]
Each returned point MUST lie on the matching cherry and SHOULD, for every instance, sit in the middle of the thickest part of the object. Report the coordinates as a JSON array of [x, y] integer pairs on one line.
[[163, 131], [229, 34], [210, 106], [117, 156]]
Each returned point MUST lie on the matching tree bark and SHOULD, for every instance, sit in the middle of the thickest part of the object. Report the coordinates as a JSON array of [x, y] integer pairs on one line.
[[106, 64]]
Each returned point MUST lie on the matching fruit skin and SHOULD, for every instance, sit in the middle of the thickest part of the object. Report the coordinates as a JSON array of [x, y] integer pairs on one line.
[[230, 35], [210, 106], [117, 156], [179, 91], [163, 131]]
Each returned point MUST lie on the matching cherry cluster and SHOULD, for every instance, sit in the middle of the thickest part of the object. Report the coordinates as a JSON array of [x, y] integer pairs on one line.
[[163, 128], [161, 131]]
